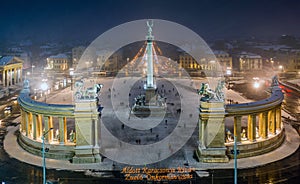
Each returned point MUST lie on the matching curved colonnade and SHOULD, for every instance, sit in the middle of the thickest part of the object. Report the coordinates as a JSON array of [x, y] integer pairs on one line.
[[37, 117], [263, 133]]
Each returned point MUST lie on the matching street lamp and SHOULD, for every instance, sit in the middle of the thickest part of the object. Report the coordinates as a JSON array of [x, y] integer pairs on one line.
[[43, 153], [32, 66], [256, 82], [280, 68]]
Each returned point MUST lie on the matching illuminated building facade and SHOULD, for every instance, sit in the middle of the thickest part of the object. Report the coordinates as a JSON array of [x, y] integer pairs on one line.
[[249, 62], [58, 63], [10, 70]]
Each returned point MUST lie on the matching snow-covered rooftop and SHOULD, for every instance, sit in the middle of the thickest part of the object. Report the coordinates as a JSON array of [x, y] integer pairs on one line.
[[250, 55], [5, 59], [59, 56], [272, 47], [220, 52]]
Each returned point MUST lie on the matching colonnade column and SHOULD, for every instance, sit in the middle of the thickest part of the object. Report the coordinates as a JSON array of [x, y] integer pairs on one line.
[[22, 127], [271, 121], [62, 129], [264, 125], [260, 124], [34, 127], [26, 123], [50, 125], [251, 127], [237, 127], [39, 125], [46, 127], [278, 118]]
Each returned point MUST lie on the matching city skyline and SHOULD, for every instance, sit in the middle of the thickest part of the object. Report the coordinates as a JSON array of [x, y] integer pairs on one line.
[[84, 21]]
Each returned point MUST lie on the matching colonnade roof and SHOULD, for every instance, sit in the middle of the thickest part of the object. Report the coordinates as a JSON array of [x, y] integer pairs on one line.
[[46, 109], [272, 102]]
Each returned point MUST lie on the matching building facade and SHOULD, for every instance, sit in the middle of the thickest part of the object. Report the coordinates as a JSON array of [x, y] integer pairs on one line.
[[249, 62], [10, 70], [58, 63], [293, 64], [224, 60], [76, 55]]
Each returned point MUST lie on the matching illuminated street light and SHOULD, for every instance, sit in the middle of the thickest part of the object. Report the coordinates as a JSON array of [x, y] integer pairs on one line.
[[280, 68], [228, 72], [43, 153], [256, 84], [44, 87], [32, 66]]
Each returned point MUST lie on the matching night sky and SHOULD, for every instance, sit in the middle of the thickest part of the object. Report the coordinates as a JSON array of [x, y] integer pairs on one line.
[[67, 20]]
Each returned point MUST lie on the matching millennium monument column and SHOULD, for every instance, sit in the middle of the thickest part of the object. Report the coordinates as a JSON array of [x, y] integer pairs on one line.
[[150, 87], [87, 124], [150, 103], [211, 146]]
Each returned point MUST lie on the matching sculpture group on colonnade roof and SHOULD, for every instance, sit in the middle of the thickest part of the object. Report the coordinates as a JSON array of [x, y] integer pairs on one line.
[[207, 94], [83, 93]]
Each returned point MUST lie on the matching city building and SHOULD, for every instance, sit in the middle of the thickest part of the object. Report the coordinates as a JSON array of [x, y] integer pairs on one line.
[[10, 70], [76, 55], [189, 63], [59, 63], [224, 59], [25, 56], [293, 64], [249, 62]]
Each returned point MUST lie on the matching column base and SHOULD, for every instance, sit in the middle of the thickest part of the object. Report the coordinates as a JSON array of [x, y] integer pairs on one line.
[[86, 154], [212, 155]]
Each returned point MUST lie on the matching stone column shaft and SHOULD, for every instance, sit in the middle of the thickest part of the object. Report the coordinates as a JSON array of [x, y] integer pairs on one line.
[[269, 121], [251, 128], [26, 123], [265, 125], [46, 127], [34, 127], [237, 127], [273, 123], [278, 118], [260, 124], [50, 125], [62, 130], [39, 126]]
